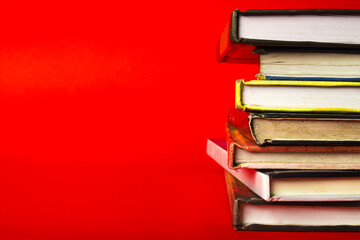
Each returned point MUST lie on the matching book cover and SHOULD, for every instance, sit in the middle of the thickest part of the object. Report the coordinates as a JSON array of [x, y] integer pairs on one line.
[[229, 49]]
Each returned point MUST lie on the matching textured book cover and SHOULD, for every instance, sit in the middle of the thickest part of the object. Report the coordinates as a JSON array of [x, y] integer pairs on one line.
[[238, 141]]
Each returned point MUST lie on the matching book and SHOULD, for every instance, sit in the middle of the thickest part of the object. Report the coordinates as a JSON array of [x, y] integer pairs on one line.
[[298, 96], [291, 185], [287, 27], [288, 128], [309, 64], [250, 212], [244, 153]]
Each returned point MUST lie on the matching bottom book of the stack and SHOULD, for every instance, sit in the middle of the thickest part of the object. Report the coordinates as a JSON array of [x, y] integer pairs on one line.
[[250, 212]]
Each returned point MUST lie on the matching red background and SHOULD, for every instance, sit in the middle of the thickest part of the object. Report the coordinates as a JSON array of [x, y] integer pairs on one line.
[[105, 111]]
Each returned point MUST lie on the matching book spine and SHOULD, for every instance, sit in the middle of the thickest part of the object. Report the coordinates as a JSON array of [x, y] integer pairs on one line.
[[224, 45], [237, 215], [231, 148], [238, 89], [230, 47], [242, 121], [234, 202]]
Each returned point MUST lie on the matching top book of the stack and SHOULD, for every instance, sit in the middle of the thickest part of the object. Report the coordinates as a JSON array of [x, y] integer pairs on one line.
[[313, 28]]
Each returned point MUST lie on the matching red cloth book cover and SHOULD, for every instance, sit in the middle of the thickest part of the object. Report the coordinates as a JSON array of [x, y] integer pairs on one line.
[[236, 140]]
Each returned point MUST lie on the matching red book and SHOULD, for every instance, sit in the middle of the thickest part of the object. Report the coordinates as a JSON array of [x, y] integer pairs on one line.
[[229, 48], [245, 153], [243, 122]]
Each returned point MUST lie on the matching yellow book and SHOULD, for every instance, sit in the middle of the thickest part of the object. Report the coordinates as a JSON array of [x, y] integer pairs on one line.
[[297, 96]]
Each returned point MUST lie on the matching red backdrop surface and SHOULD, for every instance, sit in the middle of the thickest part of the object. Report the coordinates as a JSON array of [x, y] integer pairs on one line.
[[105, 111]]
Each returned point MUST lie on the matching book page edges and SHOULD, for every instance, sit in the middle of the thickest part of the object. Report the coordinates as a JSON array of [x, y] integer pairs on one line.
[[314, 198], [252, 130]]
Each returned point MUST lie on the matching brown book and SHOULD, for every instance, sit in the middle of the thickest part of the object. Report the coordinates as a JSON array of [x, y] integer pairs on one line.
[[289, 128]]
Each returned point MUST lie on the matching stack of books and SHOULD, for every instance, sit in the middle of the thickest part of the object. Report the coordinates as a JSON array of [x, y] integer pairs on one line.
[[292, 153]]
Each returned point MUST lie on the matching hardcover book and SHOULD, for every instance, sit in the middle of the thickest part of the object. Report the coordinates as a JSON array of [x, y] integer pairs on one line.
[[291, 185], [250, 212], [309, 64], [287, 128], [298, 96], [244, 153], [291, 27]]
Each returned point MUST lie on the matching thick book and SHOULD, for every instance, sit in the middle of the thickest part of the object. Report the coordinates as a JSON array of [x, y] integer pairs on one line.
[[288, 128], [298, 96], [244, 153], [309, 64], [287, 27], [291, 185], [251, 213]]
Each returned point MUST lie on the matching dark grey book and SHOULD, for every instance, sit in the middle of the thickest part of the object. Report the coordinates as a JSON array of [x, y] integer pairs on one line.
[[320, 28], [251, 213]]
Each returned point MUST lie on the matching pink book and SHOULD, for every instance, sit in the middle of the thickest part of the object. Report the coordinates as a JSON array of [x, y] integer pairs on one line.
[[291, 185]]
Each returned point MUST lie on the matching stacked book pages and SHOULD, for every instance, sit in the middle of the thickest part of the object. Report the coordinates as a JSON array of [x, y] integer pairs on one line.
[[292, 153]]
